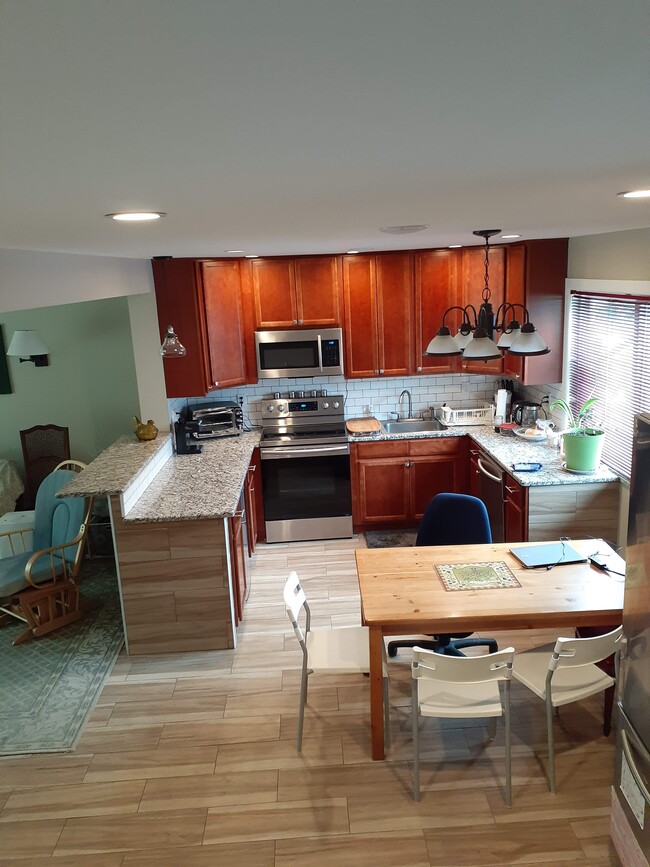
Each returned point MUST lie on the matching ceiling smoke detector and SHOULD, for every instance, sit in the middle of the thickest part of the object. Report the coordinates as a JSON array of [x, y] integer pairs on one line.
[[404, 230]]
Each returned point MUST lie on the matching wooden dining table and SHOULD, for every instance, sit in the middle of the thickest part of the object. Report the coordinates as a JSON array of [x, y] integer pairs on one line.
[[402, 593]]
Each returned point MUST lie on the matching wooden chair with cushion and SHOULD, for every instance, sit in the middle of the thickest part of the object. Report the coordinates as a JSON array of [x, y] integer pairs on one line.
[[44, 447], [39, 586]]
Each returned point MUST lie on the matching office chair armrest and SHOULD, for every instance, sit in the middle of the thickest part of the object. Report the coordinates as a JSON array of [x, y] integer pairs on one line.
[[50, 552]]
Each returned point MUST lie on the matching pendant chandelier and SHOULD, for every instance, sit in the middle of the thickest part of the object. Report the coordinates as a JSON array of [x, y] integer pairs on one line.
[[474, 339], [171, 345]]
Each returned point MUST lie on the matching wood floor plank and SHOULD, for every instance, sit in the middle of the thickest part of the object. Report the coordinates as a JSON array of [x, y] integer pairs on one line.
[[45, 770], [343, 781], [175, 709], [282, 701], [227, 731], [29, 839], [277, 821], [524, 843], [91, 799], [214, 790], [251, 756], [141, 831], [372, 814], [258, 854], [113, 693], [149, 764], [397, 849], [116, 739]]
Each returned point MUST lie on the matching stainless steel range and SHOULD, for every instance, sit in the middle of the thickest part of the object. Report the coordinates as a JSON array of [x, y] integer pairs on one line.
[[305, 468]]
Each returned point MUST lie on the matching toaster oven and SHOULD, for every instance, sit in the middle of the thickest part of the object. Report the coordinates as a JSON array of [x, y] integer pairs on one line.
[[214, 418]]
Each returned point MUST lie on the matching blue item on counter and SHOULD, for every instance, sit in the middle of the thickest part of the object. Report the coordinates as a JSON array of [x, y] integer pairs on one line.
[[529, 467]]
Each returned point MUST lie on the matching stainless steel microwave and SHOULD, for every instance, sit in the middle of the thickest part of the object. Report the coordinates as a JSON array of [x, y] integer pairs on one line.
[[314, 352]]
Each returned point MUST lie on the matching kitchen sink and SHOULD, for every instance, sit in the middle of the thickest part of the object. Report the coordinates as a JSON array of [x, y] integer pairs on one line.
[[413, 425]]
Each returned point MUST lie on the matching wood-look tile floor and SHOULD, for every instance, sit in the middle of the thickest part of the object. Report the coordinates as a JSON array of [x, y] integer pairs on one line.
[[189, 759]]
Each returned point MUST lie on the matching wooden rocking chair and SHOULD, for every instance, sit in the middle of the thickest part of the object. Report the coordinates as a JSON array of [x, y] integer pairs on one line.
[[39, 586]]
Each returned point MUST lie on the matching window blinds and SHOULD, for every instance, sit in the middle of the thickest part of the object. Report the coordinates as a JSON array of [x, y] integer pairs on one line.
[[609, 358]]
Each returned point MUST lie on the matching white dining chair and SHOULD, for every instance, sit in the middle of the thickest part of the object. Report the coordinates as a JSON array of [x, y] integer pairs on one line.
[[566, 672], [466, 687], [344, 650]]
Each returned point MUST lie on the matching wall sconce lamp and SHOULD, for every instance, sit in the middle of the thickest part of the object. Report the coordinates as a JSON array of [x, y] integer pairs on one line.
[[474, 338], [28, 346], [171, 345]]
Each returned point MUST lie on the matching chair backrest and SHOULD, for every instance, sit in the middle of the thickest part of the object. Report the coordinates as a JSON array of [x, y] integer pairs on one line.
[[44, 446], [58, 521], [75, 466], [295, 601], [454, 519], [571, 652], [462, 669]]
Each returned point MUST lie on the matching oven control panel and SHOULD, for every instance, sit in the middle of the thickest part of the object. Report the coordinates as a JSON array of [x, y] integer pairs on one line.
[[317, 407]]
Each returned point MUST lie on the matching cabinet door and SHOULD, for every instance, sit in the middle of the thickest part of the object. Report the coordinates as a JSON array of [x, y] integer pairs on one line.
[[537, 275], [237, 566], [318, 290], [515, 513], [435, 291], [274, 295], [474, 481], [382, 491], [224, 322], [249, 497], [435, 466], [179, 303], [360, 306], [394, 281], [472, 284]]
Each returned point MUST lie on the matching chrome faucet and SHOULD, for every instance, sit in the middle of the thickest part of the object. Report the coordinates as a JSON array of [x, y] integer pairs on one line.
[[410, 403]]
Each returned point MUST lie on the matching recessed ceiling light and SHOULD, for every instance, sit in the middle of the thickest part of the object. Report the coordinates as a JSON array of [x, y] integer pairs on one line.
[[454, 246], [350, 252], [136, 216], [509, 237], [404, 230], [635, 194], [251, 256], [234, 251]]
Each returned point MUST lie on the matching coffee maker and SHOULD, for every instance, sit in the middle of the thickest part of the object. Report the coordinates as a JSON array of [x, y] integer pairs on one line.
[[182, 431], [525, 413]]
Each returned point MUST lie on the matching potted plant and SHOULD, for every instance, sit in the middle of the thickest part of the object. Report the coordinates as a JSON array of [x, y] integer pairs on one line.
[[583, 443]]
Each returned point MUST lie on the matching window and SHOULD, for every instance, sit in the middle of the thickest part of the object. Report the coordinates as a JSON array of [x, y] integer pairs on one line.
[[609, 358]]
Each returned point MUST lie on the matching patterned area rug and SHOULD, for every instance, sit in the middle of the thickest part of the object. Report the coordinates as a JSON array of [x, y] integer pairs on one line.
[[49, 685], [390, 538]]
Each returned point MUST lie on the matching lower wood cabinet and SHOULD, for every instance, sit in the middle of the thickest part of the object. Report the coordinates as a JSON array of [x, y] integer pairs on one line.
[[515, 510], [254, 506], [393, 481], [237, 564]]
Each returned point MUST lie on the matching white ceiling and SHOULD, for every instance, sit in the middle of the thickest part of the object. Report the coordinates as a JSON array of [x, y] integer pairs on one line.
[[303, 126]]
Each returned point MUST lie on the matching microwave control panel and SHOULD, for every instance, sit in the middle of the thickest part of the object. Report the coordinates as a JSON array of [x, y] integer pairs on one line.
[[331, 353]]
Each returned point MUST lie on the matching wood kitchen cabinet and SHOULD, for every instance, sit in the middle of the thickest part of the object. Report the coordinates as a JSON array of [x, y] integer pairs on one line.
[[471, 285], [515, 510], [253, 499], [535, 277], [436, 280], [289, 292], [204, 302], [237, 565], [393, 481], [378, 307]]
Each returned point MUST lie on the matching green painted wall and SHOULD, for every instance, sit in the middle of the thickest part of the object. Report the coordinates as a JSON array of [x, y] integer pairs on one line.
[[90, 385]]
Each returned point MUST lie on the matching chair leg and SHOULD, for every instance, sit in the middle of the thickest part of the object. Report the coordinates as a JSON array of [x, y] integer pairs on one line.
[[416, 743], [551, 750], [303, 702], [506, 714], [492, 728], [607, 710]]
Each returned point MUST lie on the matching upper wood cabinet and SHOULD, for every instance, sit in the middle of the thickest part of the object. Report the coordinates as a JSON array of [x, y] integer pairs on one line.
[[535, 276], [294, 292], [205, 303], [436, 279], [378, 302], [472, 283]]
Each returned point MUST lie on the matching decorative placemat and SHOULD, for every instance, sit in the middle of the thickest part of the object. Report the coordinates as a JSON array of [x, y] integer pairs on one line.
[[476, 576]]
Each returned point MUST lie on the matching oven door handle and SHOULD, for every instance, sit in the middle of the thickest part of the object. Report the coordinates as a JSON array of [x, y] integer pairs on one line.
[[315, 451]]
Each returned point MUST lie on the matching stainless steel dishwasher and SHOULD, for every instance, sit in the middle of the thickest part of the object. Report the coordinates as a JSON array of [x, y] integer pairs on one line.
[[491, 492]]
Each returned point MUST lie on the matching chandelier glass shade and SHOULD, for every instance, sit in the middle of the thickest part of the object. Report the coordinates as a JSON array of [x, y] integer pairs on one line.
[[171, 345], [474, 339]]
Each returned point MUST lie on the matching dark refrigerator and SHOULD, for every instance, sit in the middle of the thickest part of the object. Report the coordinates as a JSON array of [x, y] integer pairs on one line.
[[631, 803]]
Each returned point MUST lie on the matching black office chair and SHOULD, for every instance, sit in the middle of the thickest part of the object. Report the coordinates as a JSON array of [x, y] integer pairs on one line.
[[451, 519]]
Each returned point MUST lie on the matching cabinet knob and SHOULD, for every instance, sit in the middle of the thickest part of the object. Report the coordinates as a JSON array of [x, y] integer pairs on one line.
[[517, 376], [216, 382], [419, 369], [511, 490], [295, 321], [381, 370], [300, 321]]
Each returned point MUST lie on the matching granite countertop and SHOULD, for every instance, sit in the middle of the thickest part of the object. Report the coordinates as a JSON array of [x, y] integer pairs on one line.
[[506, 450], [116, 467], [194, 487]]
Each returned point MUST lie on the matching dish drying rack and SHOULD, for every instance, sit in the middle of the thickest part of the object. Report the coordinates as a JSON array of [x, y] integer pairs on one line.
[[475, 416]]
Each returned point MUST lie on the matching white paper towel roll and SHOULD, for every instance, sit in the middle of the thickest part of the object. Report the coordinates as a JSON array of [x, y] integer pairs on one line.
[[502, 396]]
